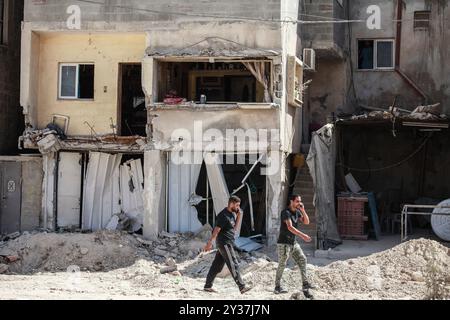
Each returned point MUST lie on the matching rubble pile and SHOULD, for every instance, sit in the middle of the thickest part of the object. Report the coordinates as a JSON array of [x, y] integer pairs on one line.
[[56, 252], [175, 267], [398, 272]]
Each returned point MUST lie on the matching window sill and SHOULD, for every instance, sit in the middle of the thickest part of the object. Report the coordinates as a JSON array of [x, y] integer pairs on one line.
[[376, 70], [215, 107], [75, 100]]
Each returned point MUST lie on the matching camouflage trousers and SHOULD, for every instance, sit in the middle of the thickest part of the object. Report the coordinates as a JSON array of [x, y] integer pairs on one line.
[[285, 251]]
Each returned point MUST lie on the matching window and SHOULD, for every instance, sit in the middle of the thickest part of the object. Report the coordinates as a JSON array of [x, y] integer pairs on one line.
[[422, 19], [375, 54], [76, 81], [3, 21]]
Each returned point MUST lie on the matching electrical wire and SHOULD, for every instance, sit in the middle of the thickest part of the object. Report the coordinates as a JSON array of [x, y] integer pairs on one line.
[[188, 14], [200, 15], [391, 166]]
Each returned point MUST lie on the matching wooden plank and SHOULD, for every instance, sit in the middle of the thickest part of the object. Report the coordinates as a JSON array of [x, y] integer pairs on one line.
[[374, 215]]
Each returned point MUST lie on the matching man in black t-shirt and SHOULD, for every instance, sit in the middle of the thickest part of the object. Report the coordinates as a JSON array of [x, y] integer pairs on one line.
[[224, 235], [287, 245]]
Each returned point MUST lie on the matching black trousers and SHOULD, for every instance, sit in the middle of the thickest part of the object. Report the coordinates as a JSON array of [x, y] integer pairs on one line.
[[225, 255]]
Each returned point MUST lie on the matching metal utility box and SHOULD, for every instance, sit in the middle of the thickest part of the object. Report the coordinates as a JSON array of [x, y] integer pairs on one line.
[[20, 193]]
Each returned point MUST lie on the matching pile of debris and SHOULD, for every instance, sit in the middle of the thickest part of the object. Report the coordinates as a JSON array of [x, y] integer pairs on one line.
[[399, 272], [55, 252], [431, 113]]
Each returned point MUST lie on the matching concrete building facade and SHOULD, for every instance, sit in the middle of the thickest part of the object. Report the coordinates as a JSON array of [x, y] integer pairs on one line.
[[11, 13], [122, 86], [412, 34]]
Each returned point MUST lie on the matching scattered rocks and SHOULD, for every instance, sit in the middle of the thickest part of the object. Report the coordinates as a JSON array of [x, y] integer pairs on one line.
[[298, 296], [165, 234], [417, 276]]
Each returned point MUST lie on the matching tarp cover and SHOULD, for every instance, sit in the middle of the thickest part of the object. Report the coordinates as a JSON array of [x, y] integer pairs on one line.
[[321, 163]]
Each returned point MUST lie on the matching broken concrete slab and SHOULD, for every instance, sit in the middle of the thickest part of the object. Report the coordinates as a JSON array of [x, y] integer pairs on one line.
[[171, 262], [163, 253], [13, 236], [4, 252], [168, 269], [12, 259], [113, 223], [144, 242], [3, 268], [204, 233], [165, 234]]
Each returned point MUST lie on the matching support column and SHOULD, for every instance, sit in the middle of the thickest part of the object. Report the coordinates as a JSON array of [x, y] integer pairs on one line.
[[154, 194], [49, 191], [276, 194]]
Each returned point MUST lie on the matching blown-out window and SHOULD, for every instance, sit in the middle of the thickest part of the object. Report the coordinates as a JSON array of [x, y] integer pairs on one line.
[[375, 54], [76, 81], [3, 21]]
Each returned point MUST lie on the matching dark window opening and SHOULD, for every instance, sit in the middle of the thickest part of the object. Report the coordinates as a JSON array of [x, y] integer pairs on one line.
[[86, 81], [132, 111], [365, 54], [3, 21], [209, 83], [422, 19]]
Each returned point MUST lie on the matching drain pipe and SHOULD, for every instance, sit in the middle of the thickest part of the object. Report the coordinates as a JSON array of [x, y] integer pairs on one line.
[[398, 42]]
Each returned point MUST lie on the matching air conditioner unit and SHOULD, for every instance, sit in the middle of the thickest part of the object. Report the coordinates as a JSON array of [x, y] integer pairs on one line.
[[309, 59]]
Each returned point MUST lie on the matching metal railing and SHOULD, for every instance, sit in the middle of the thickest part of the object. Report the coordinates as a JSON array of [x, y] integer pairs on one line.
[[406, 212]]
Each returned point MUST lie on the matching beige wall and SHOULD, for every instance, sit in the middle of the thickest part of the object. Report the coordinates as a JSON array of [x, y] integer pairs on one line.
[[106, 51]]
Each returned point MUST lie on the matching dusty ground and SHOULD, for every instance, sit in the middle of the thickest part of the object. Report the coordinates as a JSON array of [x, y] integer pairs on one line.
[[112, 265]]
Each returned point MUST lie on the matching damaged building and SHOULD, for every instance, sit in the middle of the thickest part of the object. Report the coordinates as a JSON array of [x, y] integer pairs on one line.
[[381, 98], [148, 116], [19, 176], [109, 104]]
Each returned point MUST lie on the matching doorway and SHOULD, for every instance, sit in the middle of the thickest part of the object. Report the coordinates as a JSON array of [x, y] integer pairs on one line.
[[10, 196], [132, 117]]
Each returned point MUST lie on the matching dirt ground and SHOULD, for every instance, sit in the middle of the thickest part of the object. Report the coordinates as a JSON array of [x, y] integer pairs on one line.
[[119, 266]]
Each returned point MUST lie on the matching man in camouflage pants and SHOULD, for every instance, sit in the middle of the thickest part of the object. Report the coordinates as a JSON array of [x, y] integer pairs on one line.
[[287, 245]]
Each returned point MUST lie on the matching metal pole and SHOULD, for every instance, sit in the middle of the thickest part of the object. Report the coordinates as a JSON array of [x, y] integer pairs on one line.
[[207, 201], [167, 192]]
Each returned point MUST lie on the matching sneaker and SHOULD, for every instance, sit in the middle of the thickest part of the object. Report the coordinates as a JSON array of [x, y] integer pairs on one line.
[[308, 294], [210, 290], [245, 289], [280, 290]]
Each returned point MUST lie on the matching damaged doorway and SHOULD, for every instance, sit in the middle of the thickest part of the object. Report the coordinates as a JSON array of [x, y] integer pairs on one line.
[[253, 196], [132, 112]]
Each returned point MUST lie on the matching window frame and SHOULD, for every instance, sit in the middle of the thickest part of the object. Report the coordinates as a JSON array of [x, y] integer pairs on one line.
[[416, 20], [375, 54], [4, 24], [77, 81]]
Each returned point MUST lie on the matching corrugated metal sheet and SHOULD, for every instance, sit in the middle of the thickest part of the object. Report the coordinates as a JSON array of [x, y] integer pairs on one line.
[[100, 200], [183, 179]]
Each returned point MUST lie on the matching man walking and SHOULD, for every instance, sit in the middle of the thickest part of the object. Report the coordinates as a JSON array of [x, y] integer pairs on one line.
[[224, 235], [287, 245]]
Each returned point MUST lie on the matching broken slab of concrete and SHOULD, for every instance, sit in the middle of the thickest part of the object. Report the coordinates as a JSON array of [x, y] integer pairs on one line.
[[168, 269], [3, 268], [165, 234]]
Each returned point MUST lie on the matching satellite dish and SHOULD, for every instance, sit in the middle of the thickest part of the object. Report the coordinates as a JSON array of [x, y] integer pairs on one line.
[[441, 224]]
